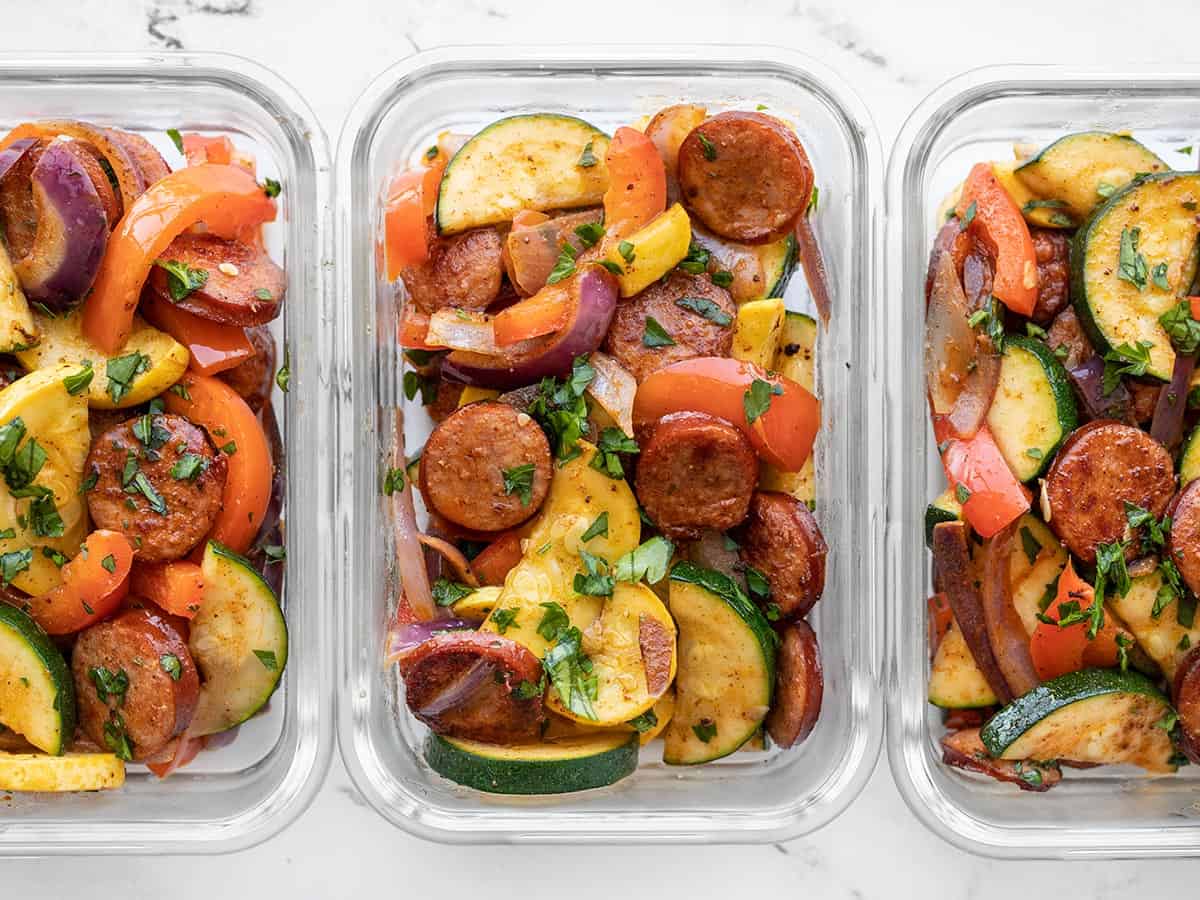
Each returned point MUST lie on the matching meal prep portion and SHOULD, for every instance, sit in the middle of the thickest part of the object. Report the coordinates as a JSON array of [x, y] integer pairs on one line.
[[620, 542], [1062, 329], [140, 517]]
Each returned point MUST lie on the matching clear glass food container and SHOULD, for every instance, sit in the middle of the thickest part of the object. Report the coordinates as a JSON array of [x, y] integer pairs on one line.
[[751, 796], [246, 791], [1103, 812]]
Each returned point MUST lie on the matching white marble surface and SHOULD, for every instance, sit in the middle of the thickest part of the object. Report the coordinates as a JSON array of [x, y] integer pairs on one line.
[[894, 53]]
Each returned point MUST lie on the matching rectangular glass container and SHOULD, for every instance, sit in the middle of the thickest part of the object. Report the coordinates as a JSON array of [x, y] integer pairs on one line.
[[242, 793], [751, 796], [1103, 812]]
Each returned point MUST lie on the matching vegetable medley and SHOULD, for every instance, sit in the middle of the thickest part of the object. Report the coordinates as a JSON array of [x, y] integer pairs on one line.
[[620, 543], [1062, 328], [140, 531]]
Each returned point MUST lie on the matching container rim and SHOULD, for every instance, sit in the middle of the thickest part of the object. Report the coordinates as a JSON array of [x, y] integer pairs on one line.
[[907, 755], [306, 770], [360, 129]]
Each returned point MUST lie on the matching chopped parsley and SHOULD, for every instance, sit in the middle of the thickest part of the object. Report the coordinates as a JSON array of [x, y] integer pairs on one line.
[[654, 335], [968, 217], [569, 670], [648, 561], [589, 233], [182, 279], [122, 370], [268, 659], [612, 443], [707, 147], [643, 723], [564, 267], [109, 563], [519, 480], [81, 380], [706, 309], [1158, 275], [170, 664], [595, 580], [1125, 360], [757, 400], [447, 592], [1110, 568], [393, 480], [116, 739], [587, 158], [961, 493], [722, 278], [284, 375], [109, 683], [757, 583], [1179, 325], [627, 252], [560, 408], [1131, 265], [271, 187], [705, 730], [1030, 545], [188, 467], [598, 528], [696, 261], [176, 138], [504, 619], [415, 382]]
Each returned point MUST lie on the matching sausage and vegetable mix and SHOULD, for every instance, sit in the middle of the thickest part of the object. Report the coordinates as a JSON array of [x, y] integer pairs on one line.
[[620, 542], [140, 528], [1062, 328]]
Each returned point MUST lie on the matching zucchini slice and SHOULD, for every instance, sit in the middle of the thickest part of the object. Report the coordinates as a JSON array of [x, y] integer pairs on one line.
[[1162, 637], [955, 681], [37, 693], [1037, 211], [71, 772], [573, 763], [1081, 169], [1189, 459], [1033, 410], [778, 264], [795, 359], [726, 667], [1035, 581], [945, 508], [239, 640], [1160, 211], [540, 161], [1095, 715]]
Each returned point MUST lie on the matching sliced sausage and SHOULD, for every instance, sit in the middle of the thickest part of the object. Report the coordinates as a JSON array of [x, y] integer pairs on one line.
[[144, 154], [145, 655], [1185, 538], [465, 460], [163, 495], [978, 274], [244, 285], [964, 750], [1187, 703], [254, 379], [694, 333], [1144, 398], [745, 176], [444, 400], [1101, 467], [799, 685], [781, 539], [695, 472], [468, 684], [18, 211], [463, 271], [1053, 251]]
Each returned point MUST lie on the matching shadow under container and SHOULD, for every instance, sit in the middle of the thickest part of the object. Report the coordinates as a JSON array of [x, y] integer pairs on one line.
[[750, 796], [1103, 812], [251, 788]]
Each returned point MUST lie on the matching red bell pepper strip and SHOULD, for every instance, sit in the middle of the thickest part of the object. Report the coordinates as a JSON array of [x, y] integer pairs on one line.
[[93, 586], [998, 223], [200, 149], [236, 430], [497, 559], [544, 313], [414, 331], [214, 347], [1058, 649], [1194, 303], [225, 198], [782, 435], [411, 200], [176, 587], [976, 466], [637, 184]]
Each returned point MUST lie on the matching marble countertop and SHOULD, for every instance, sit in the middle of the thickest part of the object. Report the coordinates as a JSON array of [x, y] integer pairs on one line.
[[894, 54]]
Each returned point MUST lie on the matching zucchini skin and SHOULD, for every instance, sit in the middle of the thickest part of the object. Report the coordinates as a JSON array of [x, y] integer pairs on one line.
[[1047, 698], [507, 773], [779, 288], [27, 630]]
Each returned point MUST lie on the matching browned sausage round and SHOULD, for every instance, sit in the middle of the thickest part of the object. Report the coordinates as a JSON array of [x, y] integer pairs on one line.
[[781, 539], [247, 291], [469, 457], [799, 685], [254, 378], [1102, 466], [464, 683], [1187, 703], [1053, 251], [144, 154], [745, 176], [1184, 543], [163, 495], [135, 681], [445, 399], [463, 271], [18, 212], [694, 333], [695, 472]]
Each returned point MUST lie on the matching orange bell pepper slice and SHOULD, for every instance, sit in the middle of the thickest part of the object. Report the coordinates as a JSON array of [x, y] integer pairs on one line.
[[93, 586], [1194, 303], [232, 424], [214, 347], [225, 198], [200, 149], [411, 200], [176, 587], [995, 496], [637, 183], [783, 435], [497, 559], [998, 223], [1056, 649], [544, 313]]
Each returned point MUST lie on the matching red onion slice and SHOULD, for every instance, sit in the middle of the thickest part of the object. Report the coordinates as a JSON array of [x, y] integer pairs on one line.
[[1088, 379], [614, 389], [461, 330], [452, 555], [12, 154], [410, 558], [461, 689], [813, 265], [1167, 425], [402, 639], [1006, 633]]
